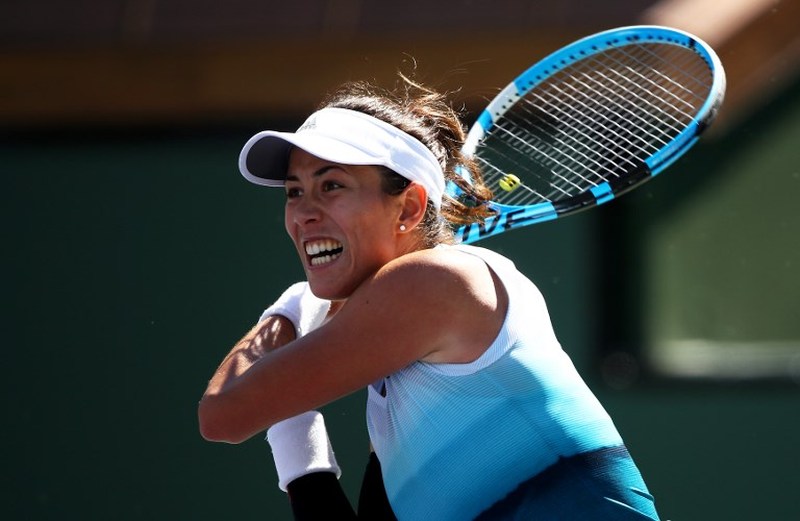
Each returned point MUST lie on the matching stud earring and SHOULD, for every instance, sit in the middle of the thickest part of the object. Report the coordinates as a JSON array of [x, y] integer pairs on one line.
[[402, 227]]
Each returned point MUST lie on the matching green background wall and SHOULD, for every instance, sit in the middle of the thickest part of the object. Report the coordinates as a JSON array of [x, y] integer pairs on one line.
[[134, 260]]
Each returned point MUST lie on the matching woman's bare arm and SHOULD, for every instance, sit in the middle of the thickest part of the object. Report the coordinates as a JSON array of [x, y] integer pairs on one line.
[[417, 308]]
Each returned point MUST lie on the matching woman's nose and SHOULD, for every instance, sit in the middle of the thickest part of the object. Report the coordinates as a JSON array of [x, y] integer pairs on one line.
[[308, 210]]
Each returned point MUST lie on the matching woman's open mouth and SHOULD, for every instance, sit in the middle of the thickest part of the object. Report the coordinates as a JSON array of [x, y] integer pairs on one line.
[[323, 251]]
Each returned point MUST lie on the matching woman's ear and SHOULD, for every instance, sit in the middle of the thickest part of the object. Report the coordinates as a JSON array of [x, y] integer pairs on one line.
[[415, 202]]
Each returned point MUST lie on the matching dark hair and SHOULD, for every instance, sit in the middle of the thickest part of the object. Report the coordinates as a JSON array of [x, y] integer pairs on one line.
[[426, 115]]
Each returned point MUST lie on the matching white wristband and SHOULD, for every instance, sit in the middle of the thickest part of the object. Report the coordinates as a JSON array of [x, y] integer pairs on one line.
[[303, 308], [300, 446]]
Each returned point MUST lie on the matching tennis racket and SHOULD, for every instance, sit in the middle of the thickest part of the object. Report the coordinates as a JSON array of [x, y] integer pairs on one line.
[[590, 122]]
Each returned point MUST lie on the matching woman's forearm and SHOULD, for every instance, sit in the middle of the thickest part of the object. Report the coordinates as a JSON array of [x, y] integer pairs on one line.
[[271, 333]]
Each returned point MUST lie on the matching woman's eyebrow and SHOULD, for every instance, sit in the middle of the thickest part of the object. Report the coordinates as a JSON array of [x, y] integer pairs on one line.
[[321, 171]]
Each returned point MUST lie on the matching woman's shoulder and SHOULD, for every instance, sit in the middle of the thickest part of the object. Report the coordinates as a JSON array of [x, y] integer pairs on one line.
[[453, 264], [446, 282], [459, 262], [445, 279]]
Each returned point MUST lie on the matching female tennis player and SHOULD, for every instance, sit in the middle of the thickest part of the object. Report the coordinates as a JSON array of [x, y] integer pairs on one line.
[[474, 410]]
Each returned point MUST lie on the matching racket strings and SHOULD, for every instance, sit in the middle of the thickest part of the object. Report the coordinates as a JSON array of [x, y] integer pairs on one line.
[[574, 135], [570, 132], [634, 118], [592, 125], [621, 112], [523, 131], [522, 140], [654, 86], [593, 121], [637, 112], [677, 62]]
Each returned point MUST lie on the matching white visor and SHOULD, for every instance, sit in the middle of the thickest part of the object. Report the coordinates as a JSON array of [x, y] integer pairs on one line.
[[346, 137]]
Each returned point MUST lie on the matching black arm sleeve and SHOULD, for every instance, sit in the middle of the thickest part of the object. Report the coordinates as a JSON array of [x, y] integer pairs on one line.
[[373, 505], [319, 496]]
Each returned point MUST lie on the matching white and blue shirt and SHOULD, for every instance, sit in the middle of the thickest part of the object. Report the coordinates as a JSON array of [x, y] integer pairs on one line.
[[455, 439]]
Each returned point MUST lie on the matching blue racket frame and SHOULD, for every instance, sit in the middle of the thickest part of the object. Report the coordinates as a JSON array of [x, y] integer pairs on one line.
[[509, 217]]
